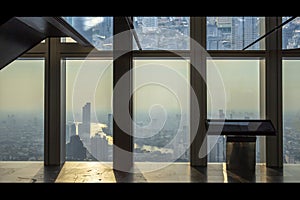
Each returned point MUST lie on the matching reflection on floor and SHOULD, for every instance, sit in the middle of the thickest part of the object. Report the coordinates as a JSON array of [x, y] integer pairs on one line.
[[94, 172]]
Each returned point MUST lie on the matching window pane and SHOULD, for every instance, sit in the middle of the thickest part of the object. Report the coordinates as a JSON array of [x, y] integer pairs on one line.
[[168, 33], [22, 111], [291, 111], [234, 33], [97, 30], [89, 110], [291, 34], [161, 110], [243, 100]]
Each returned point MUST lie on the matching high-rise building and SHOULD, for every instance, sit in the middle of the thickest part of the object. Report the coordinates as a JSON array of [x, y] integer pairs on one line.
[[86, 113], [70, 131], [180, 145], [67, 133], [245, 30], [217, 153], [99, 147], [73, 129], [84, 129], [217, 146], [109, 129], [110, 123]]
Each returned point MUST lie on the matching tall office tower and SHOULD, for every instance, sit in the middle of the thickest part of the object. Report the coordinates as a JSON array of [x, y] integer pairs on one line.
[[213, 36], [99, 147], [217, 153], [86, 113], [84, 129], [70, 131], [73, 129], [68, 127], [224, 27], [180, 145], [110, 123], [244, 31]]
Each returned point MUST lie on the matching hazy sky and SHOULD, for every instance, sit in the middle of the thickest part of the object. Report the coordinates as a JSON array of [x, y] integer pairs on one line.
[[89, 81], [22, 84], [241, 84], [164, 82], [291, 85]]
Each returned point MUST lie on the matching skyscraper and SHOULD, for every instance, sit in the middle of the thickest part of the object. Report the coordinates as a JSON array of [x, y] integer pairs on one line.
[[244, 31], [84, 129], [217, 153], [110, 123], [99, 147], [86, 113]]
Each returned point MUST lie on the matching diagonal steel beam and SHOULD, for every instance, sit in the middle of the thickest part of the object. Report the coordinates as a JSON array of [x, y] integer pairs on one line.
[[131, 27], [271, 31]]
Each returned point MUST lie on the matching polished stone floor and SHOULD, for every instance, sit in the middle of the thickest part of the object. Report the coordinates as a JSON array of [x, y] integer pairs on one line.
[[99, 172]]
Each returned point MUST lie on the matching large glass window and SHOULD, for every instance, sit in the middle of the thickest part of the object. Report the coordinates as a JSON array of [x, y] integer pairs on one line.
[[291, 110], [97, 30], [167, 33], [242, 93], [89, 109], [291, 34], [22, 111], [234, 33], [161, 110]]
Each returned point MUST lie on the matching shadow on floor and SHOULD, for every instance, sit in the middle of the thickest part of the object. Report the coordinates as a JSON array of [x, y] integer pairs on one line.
[[127, 177], [47, 174], [241, 176], [199, 174]]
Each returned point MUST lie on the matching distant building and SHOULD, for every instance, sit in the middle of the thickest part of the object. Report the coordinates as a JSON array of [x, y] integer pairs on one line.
[[217, 153], [70, 131], [99, 147], [84, 129], [180, 145], [226, 33], [86, 113], [245, 30], [110, 124]]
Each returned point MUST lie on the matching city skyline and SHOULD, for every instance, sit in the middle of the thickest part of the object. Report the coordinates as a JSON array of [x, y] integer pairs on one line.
[[22, 103]]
